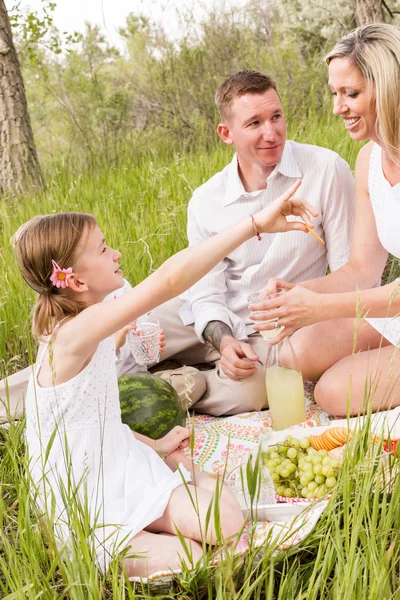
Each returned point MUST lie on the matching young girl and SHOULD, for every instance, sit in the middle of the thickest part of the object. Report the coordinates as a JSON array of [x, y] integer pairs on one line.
[[80, 452]]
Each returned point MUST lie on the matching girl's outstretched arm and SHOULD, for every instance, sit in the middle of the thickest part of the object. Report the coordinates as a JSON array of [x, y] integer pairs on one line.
[[181, 271]]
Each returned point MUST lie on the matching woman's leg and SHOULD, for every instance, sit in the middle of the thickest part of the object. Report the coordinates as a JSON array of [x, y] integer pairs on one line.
[[158, 552], [373, 375], [320, 346]]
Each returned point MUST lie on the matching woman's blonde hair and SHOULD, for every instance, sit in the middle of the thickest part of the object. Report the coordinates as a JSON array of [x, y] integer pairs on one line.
[[375, 51], [38, 242]]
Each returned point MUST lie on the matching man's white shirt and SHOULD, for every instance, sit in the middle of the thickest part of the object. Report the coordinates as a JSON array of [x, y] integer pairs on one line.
[[327, 184]]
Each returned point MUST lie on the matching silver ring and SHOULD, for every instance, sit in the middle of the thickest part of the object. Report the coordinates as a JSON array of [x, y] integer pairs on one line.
[[276, 324]]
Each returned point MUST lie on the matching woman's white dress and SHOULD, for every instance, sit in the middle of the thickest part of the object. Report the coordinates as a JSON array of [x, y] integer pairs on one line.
[[121, 483], [385, 200]]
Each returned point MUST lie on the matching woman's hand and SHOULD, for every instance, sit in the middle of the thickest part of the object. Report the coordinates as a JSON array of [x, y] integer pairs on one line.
[[276, 285], [272, 219], [297, 308], [178, 437]]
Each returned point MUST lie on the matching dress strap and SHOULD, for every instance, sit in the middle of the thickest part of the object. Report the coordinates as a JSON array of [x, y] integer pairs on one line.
[[375, 180], [44, 346]]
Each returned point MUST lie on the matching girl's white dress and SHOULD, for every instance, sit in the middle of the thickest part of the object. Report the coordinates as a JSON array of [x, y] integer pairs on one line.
[[94, 461], [385, 200]]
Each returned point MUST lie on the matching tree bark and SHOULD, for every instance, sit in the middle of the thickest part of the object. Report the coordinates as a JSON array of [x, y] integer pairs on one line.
[[368, 11], [19, 165]]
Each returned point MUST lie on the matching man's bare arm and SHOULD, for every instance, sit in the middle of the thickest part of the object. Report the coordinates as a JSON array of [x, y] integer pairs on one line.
[[214, 331]]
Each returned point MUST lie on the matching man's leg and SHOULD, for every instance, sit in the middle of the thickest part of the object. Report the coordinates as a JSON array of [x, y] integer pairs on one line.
[[12, 394], [183, 346], [188, 382], [224, 396], [182, 343]]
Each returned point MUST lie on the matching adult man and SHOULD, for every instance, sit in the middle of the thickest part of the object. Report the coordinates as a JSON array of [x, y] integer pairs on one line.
[[211, 324]]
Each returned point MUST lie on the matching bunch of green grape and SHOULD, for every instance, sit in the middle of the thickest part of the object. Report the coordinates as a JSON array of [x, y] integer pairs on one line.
[[298, 470]]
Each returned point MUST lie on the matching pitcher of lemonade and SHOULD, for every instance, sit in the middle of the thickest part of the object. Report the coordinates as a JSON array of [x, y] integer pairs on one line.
[[285, 390]]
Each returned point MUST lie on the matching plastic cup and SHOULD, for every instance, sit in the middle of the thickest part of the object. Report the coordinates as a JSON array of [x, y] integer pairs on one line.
[[263, 296], [144, 341]]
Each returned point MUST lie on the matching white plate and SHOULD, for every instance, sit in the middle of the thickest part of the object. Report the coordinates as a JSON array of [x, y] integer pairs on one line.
[[276, 512]]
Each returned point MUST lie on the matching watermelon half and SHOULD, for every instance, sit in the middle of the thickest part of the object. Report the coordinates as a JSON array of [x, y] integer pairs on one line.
[[149, 405]]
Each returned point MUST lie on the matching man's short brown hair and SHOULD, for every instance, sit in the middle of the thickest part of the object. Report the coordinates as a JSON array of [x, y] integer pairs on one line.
[[239, 84]]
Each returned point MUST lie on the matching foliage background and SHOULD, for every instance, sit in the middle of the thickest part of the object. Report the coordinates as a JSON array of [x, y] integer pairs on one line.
[[129, 134]]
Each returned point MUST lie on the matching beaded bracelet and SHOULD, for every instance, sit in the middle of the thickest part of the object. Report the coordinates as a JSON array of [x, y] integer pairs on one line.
[[255, 228]]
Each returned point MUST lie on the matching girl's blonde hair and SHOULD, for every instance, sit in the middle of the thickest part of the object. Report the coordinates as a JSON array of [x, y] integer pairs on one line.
[[37, 243], [375, 51]]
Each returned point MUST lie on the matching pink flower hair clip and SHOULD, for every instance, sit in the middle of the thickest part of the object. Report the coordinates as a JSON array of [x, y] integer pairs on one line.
[[60, 276]]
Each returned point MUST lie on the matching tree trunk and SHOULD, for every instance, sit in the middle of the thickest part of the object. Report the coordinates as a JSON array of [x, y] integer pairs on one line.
[[19, 165], [368, 11]]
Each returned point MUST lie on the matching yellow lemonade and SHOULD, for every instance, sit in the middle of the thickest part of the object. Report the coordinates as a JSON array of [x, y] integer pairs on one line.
[[285, 393], [270, 333]]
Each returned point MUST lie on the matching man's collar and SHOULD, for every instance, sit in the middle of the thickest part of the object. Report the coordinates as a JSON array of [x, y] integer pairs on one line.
[[235, 187], [287, 167]]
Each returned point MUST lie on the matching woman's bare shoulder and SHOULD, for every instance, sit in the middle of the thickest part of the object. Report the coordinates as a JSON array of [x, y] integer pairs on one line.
[[362, 164], [364, 155]]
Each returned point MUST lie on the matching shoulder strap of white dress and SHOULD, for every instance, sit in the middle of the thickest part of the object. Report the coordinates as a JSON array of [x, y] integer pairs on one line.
[[44, 346], [375, 172]]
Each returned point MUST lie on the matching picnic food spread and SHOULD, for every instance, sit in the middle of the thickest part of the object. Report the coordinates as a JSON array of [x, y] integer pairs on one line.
[[334, 437], [300, 470]]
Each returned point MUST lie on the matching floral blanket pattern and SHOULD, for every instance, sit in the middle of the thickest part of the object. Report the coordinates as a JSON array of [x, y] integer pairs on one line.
[[219, 438]]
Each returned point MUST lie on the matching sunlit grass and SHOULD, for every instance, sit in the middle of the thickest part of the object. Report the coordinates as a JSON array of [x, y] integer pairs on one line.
[[354, 550], [141, 207]]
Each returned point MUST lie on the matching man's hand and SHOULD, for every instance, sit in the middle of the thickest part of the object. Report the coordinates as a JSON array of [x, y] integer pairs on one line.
[[237, 358], [215, 331]]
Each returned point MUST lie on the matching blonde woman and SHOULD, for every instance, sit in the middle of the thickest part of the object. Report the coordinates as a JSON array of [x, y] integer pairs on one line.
[[364, 78]]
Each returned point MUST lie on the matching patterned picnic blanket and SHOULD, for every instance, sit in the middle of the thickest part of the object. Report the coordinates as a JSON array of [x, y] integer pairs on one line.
[[217, 438]]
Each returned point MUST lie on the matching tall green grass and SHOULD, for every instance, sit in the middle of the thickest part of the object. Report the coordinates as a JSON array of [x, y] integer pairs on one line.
[[354, 550], [140, 205]]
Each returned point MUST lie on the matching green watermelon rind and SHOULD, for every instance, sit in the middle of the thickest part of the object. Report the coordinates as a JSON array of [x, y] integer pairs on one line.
[[149, 405]]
